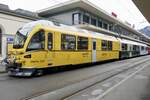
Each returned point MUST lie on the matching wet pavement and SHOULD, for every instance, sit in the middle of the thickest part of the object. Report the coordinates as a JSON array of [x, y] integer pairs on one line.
[[130, 85], [2, 68], [135, 88], [12, 88]]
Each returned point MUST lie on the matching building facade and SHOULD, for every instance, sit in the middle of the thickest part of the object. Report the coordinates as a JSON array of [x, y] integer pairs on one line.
[[10, 22], [79, 13], [82, 13]]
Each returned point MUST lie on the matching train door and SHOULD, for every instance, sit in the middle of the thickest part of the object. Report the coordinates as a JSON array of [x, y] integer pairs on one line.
[[36, 53], [94, 50], [51, 55]]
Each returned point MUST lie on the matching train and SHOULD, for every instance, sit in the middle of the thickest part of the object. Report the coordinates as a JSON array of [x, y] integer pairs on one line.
[[41, 45]]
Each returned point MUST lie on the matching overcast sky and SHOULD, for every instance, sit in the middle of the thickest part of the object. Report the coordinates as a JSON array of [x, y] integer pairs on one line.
[[125, 9]]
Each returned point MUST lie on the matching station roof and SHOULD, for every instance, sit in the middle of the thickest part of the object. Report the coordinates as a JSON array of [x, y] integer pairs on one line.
[[73, 4], [87, 6], [143, 6], [18, 12]]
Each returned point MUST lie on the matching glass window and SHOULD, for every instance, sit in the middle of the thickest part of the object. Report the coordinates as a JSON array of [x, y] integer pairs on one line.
[[19, 40], [134, 47], [68, 42], [37, 41], [110, 45], [111, 27], [86, 19], [94, 45], [104, 45], [100, 24], [50, 41], [142, 48], [76, 18], [93, 21], [105, 26], [137, 48], [124, 47], [82, 43], [146, 48]]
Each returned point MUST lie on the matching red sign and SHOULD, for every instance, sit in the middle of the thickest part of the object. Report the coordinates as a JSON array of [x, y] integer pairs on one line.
[[114, 14]]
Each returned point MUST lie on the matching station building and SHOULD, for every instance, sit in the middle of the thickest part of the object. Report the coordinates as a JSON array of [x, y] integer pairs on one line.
[[79, 13], [10, 22], [84, 14]]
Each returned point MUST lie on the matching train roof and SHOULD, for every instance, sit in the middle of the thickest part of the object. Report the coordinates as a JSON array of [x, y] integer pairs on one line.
[[131, 42], [74, 30]]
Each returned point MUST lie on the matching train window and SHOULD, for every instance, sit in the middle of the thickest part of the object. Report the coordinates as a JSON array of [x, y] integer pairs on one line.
[[146, 48], [94, 45], [50, 41], [68, 42], [82, 43], [110, 45], [104, 45], [130, 48], [124, 47], [37, 41], [137, 48], [134, 47], [142, 48]]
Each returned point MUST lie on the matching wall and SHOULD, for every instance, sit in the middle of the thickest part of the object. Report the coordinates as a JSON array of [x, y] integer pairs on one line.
[[65, 18], [9, 25]]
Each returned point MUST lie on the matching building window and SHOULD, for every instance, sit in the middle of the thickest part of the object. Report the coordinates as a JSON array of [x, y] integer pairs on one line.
[[37, 41], [86, 19], [93, 21], [50, 41], [104, 45], [105, 26], [111, 27], [76, 18], [68, 42], [100, 24], [82, 43]]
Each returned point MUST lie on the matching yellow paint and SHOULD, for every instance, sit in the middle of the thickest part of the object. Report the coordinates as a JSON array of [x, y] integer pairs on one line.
[[57, 57]]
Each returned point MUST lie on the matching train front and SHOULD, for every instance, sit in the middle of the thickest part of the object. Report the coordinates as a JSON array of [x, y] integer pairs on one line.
[[14, 60]]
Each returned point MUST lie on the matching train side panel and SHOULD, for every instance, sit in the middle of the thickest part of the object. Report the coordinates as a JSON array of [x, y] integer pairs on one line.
[[68, 57], [108, 54]]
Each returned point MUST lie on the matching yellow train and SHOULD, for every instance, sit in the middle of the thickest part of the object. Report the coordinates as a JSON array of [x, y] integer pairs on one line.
[[41, 45]]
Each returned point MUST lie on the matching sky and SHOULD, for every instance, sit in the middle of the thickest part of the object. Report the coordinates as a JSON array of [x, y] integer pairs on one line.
[[125, 9]]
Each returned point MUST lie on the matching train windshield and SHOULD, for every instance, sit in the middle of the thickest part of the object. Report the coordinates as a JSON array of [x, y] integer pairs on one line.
[[21, 37], [19, 40]]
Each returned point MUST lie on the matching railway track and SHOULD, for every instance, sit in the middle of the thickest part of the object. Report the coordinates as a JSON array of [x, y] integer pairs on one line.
[[57, 94], [28, 88], [107, 86]]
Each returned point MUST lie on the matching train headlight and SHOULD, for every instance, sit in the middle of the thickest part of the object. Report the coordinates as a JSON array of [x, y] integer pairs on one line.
[[27, 73]]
